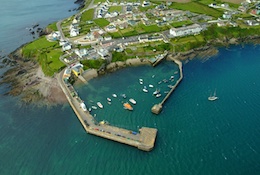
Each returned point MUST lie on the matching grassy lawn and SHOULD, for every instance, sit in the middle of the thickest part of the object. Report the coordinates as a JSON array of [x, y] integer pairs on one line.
[[101, 22], [96, 64], [52, 26], [87, 15], [97, 1], [47, 54], [41, 44], [115, 9], [180, 23], [197, 7]]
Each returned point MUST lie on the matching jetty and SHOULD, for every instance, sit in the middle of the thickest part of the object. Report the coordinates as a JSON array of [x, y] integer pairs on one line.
[[157, 108], [144, 139]]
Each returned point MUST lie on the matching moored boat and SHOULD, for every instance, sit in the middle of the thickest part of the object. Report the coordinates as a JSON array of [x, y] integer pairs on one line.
[[99, 105], [158, 95], [114, 95], [150, 85], [93, 107], [109, 99], [157, 91], [128, 106], [145, 90], [132, 101]]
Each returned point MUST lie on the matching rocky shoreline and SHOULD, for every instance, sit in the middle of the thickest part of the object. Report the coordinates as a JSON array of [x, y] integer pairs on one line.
[[27, 80]]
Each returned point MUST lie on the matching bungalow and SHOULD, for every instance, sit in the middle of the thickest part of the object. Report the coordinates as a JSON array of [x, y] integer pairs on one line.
[[74, 32], [103, 52], [187, 30], [145, 3], [66, 46], [110, 28], [107, 38], [129, 9], [81, 53], [227, 15], [252, 23]]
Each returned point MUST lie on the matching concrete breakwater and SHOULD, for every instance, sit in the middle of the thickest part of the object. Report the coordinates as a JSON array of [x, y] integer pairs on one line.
[[156, 109], [143, 140]]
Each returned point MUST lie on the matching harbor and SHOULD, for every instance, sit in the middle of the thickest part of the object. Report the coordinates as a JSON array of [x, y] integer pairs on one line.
[[144, 139]]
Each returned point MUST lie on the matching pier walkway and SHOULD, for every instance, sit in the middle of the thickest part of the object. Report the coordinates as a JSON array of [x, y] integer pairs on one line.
[[143, 140], [156, 109]]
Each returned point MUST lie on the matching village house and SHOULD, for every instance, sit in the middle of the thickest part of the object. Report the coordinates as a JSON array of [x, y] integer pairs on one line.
[[103, 53], [81, 52], [111, 28], [187, 30], [66, 46]]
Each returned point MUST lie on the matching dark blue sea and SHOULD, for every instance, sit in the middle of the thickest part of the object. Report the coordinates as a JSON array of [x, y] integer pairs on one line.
[[195, 135]]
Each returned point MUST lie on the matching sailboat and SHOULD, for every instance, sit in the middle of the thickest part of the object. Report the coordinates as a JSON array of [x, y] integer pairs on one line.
[[213, 97]]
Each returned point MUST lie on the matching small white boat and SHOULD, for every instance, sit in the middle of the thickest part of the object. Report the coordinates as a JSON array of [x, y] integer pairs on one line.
[[99, 105], [157, 91], [145, 90], [172, 77], [153, 76], [158, 95], [114, 95], [93, 107], [150, 85], [132, 101], [140, 79], [213, 97], [109, 99], [175, 72]]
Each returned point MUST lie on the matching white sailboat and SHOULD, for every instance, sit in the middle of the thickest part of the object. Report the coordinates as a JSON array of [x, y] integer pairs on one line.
[[213, 97]]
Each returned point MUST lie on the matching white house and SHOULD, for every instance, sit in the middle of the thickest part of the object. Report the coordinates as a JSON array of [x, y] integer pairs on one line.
[[66, 46], [102, 52], [74, 32], [187, 30], [81, 53]]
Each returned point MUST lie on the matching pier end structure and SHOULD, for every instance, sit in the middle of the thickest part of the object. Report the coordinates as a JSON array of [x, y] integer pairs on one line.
[[143, 140], [157, 108], [147, 138]]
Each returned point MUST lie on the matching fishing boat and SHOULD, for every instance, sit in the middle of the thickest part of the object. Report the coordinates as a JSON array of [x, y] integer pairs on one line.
[[213, 97], [99, 105], [128, 106], [114, 95], [145, 90], [93, 107], [158, 95], [132, 101], [157, 91]]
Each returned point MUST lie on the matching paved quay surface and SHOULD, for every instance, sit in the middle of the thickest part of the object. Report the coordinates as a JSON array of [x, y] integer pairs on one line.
[[143, 140]]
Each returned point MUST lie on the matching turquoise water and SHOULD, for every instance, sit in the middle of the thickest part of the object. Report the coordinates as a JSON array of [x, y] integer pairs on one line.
[[195, 136]]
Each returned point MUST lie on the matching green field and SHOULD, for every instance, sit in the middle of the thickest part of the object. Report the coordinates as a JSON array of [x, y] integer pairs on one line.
[[87, 15], [197, 7], [115, 9], [181, 23], [46, 53], [101, 22]]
